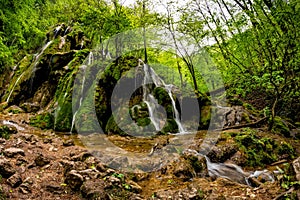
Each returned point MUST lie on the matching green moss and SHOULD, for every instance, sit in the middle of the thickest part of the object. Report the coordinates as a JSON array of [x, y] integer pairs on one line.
[[261, 150], [143, 121], [170, 127], [205, 116], [112, 127], [280, 127], [43, 121], [5, 132]]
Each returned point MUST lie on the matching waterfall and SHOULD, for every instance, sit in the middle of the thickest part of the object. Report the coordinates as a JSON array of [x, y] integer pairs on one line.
[[33, 70], [176, 117], [13, 88], [56, 31], [151, 77], [83, 67], [36, 61]]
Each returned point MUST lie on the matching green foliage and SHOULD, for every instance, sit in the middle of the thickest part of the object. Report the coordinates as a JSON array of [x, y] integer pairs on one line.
[[5, 132], [43, 121], [280, 127], [262, 150]]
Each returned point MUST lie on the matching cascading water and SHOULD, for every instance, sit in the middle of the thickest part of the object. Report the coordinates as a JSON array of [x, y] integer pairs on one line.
[[151, 77], [231, 171], [83, 67], [36, 61], [33, 70]]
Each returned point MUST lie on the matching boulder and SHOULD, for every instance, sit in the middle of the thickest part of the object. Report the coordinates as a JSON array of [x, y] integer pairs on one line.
[[30, 107], [41, 160], [92, 189], [12, 152], [6, 169], [15, 180], [74, 180], [296, 166]]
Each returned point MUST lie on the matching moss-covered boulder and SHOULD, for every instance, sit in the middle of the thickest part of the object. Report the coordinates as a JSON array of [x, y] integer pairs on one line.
[[280, 126], [262, 150], [43, 121], [6, 131]]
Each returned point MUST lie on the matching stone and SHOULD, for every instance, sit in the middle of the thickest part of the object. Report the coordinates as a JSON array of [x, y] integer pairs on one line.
[[6, 169], [184, 170], [53, 188], [15, 180], [220, 154], [41, 160], [81, 157], [30, 107], [12, 152], [92, 189], [68, 143], [296, 166], [135, 187], [74, 180]]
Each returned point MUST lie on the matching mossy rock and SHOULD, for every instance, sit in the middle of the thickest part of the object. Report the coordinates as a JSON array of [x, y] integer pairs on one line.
[[6, 131], [170, 127], [43, 121], [261, 151], [280, 127], [113, 128], [205, 117], [14, 110]]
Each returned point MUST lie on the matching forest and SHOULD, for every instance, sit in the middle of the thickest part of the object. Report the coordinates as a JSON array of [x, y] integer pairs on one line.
[[139, 99]]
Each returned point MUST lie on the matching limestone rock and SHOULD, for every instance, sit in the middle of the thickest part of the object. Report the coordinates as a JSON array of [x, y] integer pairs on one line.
[[41, 160], [15, 180], [74, 180], [296, 166], [12, 152], [94, 190], [6, 169]]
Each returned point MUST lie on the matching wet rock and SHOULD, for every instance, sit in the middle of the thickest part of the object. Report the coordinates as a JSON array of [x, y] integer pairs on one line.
[[91, 173], [184, 170], [6, 169], [222, 153], [15, 180], [81, 157], [68, 143], [30, 107], [25, 186], [13, 109], [114, 180], [7, 130], [53, 188], [238, 158], [74, 180], [134, 186], [296, 166], [21, 161], [100, 167], [12, 152], [119, 161], [94, 190], [41, 160], [47, 140], [68, 165]]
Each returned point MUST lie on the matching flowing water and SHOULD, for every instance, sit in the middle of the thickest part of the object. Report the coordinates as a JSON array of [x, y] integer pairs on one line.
[[83, 67], [151, 77], [235, 173]]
